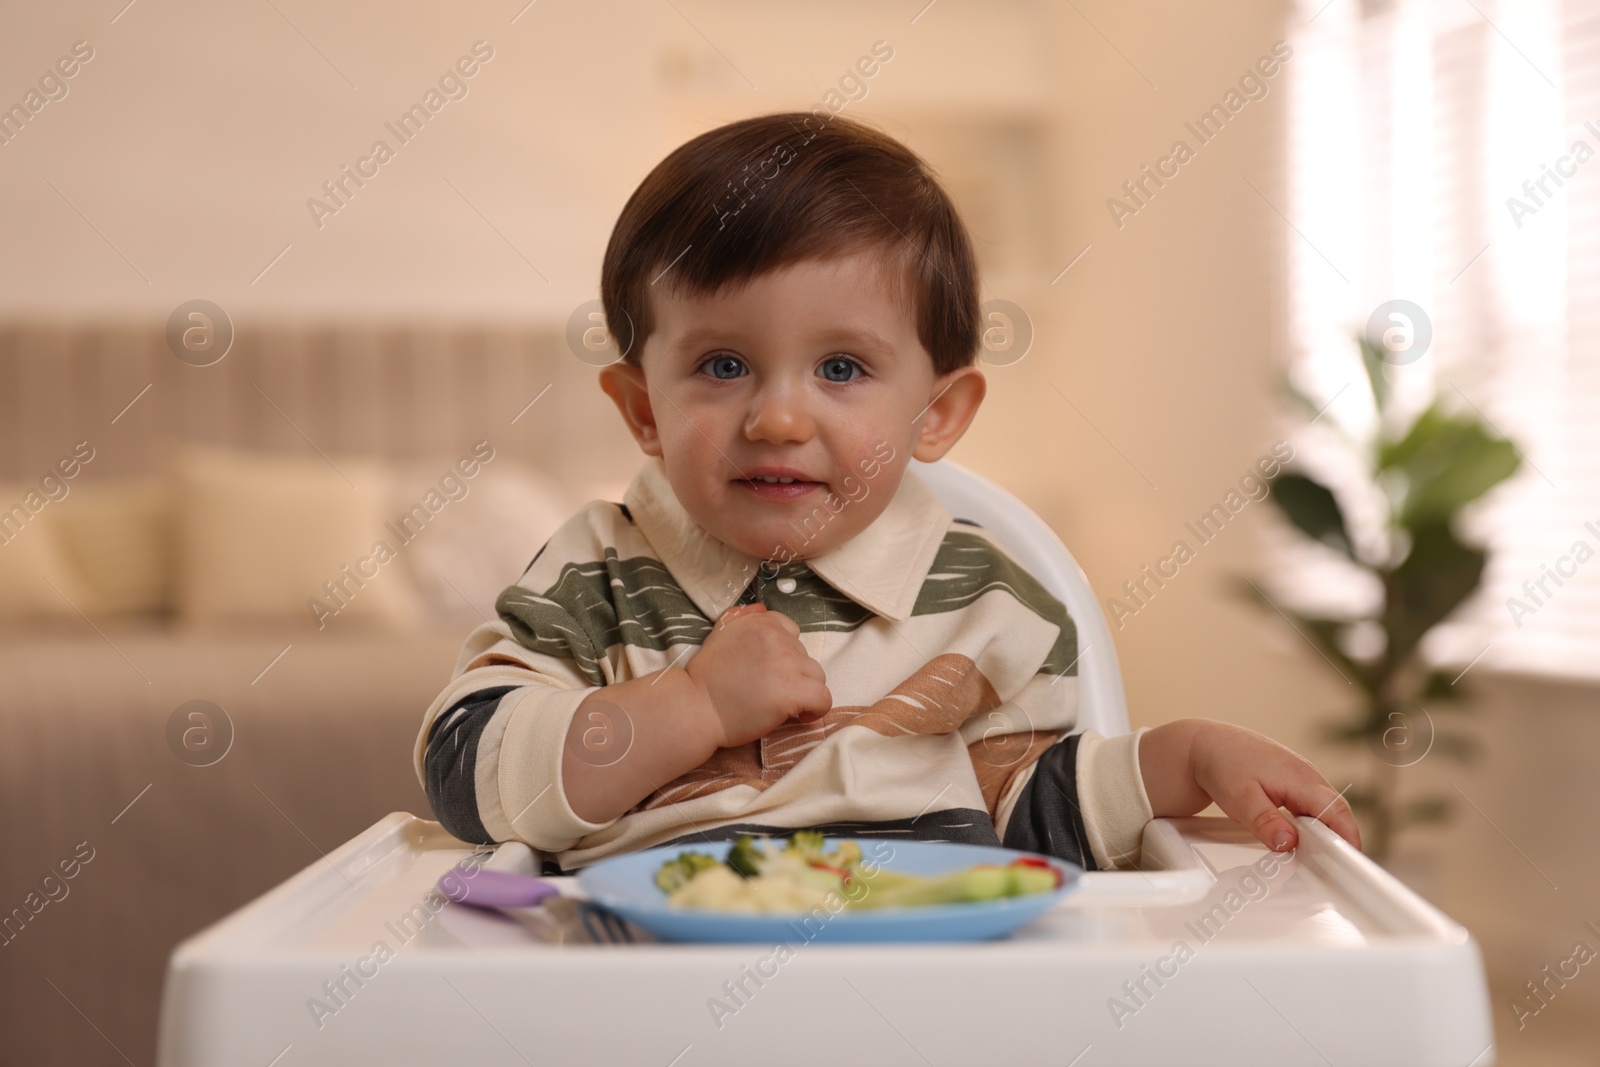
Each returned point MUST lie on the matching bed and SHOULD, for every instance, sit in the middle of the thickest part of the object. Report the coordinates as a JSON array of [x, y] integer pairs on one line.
[[98, 761]]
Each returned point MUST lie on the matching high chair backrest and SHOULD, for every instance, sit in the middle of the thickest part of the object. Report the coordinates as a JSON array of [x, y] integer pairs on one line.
[[1103, 706]]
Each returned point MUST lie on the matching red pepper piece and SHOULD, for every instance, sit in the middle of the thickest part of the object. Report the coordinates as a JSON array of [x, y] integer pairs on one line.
[[840, 871], [1035, 861]]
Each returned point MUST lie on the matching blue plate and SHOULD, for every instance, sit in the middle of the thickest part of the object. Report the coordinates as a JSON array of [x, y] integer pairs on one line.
[[626, 885]]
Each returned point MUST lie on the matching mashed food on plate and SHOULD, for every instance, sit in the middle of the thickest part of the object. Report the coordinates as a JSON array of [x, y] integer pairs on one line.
[[802, 875], [720, 889]]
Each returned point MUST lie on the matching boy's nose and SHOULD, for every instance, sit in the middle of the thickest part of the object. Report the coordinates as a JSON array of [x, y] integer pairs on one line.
[[779, 415]]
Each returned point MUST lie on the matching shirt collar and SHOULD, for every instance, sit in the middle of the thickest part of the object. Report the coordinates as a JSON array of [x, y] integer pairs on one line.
[[882, 568]]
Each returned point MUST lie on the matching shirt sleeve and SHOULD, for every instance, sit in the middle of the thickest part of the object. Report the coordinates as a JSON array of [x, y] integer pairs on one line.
[[1082, 796], [1082, 800], [489, 752]]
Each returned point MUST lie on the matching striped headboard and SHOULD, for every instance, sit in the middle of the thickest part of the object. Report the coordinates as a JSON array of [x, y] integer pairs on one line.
[[382, 391]]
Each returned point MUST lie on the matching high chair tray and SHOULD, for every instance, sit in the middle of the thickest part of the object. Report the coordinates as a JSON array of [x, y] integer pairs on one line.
[[1218, 953]]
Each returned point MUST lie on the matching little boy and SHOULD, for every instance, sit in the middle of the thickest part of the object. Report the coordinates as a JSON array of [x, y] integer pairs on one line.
[[780, 627]]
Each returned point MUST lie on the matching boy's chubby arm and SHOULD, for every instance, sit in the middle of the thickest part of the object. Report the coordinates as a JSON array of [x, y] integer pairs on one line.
[[750, 676], [517, 725], [1190, 763]]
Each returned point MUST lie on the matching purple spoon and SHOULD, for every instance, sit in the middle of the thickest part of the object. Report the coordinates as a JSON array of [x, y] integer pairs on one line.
[[495, 889]]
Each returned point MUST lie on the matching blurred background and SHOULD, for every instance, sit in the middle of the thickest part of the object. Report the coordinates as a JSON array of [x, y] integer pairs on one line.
[[179, 479]]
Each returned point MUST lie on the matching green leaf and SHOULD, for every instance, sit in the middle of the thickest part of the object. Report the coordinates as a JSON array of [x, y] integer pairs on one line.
[[1479, 464], [1441, 687], [1446, 461], [1438, 574], [1323, 635], [1372, 359], [1312, 507], [1428, 426], [1300, 400]]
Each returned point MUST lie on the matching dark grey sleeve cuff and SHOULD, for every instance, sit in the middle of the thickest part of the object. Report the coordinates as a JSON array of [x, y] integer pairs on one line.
[[1047, 817]]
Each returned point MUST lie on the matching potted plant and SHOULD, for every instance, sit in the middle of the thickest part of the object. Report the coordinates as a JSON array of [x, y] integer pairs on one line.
[[1425, 471]]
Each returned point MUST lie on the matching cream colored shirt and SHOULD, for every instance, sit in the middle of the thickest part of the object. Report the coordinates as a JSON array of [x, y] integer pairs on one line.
[[952, 670]]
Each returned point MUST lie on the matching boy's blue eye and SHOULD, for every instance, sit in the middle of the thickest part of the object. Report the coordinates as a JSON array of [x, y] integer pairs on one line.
[[724, 367], [838, 368]]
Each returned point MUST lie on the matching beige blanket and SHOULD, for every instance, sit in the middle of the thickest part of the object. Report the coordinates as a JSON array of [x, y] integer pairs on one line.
[[321, 750]]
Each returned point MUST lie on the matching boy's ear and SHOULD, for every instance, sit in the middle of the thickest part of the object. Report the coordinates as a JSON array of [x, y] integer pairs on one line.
[[624, 383], [956, 397]]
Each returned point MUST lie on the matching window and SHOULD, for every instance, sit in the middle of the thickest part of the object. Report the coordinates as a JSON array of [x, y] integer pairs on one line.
[[1447, 152]]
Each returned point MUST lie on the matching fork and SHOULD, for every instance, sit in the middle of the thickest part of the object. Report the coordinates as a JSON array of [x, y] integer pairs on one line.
[[518, 893]]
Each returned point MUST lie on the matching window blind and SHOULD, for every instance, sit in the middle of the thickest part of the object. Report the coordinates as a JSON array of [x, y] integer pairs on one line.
[[1448, 153]]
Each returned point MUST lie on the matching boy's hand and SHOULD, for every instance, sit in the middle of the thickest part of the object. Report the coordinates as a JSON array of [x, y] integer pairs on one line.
[[1190, 763], [756, 675]]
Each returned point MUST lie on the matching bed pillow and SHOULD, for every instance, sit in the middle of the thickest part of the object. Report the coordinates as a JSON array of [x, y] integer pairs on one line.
[[293, 539], [36, 579], [118, 537], [482, 542]]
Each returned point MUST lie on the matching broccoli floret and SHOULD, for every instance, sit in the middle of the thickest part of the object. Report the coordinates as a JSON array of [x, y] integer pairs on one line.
[[745, 857], [808, 843], [678, 870]]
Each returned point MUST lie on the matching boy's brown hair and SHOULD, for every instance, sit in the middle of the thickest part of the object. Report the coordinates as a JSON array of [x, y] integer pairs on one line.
[[767, 192]]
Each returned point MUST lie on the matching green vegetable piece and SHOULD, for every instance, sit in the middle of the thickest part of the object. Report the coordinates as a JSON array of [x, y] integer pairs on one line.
[[1026, 880], [972, 884], [808, 843], [677, 871], [745, 857]]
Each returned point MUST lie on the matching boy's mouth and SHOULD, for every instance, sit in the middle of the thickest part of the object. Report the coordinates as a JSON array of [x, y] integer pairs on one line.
[[778, 484]]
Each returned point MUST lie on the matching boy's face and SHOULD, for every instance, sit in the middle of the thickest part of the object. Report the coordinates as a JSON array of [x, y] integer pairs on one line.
[[812, 371]]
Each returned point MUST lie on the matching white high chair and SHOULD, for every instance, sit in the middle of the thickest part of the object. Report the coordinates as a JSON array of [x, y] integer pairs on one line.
[[1102, 704], [1328, 960]]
